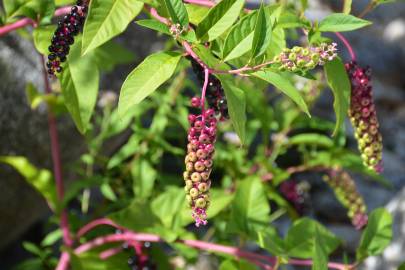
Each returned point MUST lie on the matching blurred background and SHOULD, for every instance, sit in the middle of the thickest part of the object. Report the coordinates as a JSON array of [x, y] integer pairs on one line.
[[23, 131]]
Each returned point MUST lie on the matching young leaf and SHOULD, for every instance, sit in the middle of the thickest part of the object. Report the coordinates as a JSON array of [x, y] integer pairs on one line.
[[163, 28], [219, 19], [339, 83], [271, 241], [107, 19], [240, 37], [301, 236], [320, 253], [340, 22], [285, 86], [178, 12], [79, 83], [250, 208], [40, 179], [377, 235], [236, 106], [146, 78], [196, 13], [262, 33], [34, 9]]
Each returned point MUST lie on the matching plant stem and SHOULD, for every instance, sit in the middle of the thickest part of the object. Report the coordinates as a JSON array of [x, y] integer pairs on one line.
[[347, 44], [56, 160], [27, 21]]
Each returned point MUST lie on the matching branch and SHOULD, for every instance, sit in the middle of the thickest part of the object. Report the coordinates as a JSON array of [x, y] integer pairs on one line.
[[347, 44], [27, 21], [56, 160]]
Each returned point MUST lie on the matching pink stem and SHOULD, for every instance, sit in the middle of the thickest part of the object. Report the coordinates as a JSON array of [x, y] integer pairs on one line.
[[27, 21], [201, 2], [102, 221], [63, 263], [347, 44], [155, 14], [110, 252], [204, 90], [56, 160]]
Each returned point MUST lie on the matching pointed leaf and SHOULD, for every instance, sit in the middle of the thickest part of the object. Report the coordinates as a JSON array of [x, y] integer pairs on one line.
[[320, 254], [285, 86], [146, 78], [178, 12], [79, 82], [340, 22], [219, 19], [262, 33], [377, 235], [339, 83], [236, 106], [107, 19]]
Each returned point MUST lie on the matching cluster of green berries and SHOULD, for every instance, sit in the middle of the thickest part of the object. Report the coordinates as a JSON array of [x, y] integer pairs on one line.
[[346, 192], [63, 37], [302, 59], [363, 117], [200, 152]]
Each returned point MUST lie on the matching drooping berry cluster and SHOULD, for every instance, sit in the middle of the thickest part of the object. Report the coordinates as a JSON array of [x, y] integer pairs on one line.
[[63, 37], [346, 192], [200, 152], [299, 58], [295, 193], [363, 117], [215, 95]]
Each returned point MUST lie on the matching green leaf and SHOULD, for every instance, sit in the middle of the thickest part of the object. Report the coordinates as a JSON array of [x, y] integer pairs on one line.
[[240, 37], [137, 216], [340, 22], [40, 179], [250, 209], [91, 261], [196, 13], [262, 33], [52, 237], [178, 12], [219, 19], [312, 139], [347, 6], [79, 82], [301, 236], [163, 28], [146, 78], [320, 253], [376, 236], [38, 10], [110, 54], [236, 265], [402, 266], [167, 205], [271, 241], [236, 100], [107, 19], [42, 36], [144, 177], [339, 83], [285, 86]]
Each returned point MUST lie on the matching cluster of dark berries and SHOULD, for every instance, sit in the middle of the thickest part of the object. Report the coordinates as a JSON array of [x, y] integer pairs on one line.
[[200, 152], [215, 95], [345, 189], [363, 116], [140, 261], [295, 193], [63, 37]]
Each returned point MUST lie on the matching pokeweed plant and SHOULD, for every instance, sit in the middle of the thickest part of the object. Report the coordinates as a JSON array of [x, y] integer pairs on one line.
[[246, 98]]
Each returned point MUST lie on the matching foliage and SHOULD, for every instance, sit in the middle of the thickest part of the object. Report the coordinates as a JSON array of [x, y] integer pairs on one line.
[[270, 117]]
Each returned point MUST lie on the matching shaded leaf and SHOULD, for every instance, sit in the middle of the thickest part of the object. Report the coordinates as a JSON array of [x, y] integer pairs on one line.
[[340, 22]]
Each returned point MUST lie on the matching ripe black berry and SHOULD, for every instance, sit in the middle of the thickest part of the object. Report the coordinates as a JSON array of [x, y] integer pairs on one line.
[[63, 37]]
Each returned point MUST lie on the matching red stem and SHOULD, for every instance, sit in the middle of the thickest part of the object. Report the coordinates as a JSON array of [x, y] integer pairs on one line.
[[27, 21], [347, 44], [204, 90], [56, 160]]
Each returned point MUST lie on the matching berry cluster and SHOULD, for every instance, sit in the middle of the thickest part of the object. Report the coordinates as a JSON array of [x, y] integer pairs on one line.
[[363, 116], [215, 95], [299, 58], [63, 37], [200, 152], [346, 192], [141, 260], [295, 193]]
